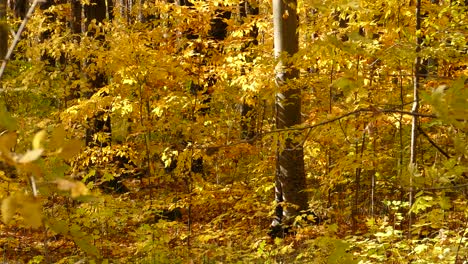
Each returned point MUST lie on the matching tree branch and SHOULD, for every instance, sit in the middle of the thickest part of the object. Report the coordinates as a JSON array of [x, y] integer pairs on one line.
[[310, 127], [407, 113], [18, 36], [373, 110], [432, 142], [438, 188]]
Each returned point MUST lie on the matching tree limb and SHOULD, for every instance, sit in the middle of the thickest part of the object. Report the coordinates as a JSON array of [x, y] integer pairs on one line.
[[432, 142], [310, 127], [18, 36]]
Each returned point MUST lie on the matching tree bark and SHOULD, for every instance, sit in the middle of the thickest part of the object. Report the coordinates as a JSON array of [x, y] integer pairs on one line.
[[249, 108], [100, 122], [75, 18], [95, 10], [290, 175], [20, 8], [415, 121], [3, 30]]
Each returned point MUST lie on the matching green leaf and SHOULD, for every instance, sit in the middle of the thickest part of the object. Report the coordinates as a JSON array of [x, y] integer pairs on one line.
[[59, 226], [83, 240]]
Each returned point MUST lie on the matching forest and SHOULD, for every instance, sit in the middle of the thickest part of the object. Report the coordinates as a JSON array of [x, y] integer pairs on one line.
[[233, 131]]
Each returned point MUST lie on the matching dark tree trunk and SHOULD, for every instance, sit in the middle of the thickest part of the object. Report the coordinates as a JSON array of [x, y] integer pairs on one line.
[[3, 30], [110, 9], [290, 175], [183, 3], [95, 10], [415, 121], [218, 29], [100, 123], [20, 7], [249, 107], [75, 19]]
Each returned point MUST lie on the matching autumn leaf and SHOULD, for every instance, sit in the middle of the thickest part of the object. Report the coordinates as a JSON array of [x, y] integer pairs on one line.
[[6, 120], [29, 208], [58, 137], [38, 138], [31, 155], [8, 142], [32, 213], [70, 149], [8, 209], [76, 188]]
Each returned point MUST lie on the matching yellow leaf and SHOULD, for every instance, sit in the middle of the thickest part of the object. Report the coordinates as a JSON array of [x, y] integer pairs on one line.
[[31, 155], [129, 81], [79, 190], [70, 149], [8, 209], [64, 185], [38, 138], [58, 137], [8, 141], [76, 188], [32, 213], [32, 169], [27, 206], [158, 111]]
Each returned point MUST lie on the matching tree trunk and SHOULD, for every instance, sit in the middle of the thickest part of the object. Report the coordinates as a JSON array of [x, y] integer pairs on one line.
[[100, 122], [75, 18], [290, 175], [3, 30], [249, 108], [95, 10], [20, 8], [414, 124]]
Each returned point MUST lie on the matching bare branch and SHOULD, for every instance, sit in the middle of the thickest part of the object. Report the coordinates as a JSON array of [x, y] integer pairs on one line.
[[459, 186], [310, 127], [17, 37], [432, 142]]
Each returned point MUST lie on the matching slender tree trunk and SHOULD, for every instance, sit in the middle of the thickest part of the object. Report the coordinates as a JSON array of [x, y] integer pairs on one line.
[[3, 30], [100, 122], [414, 125], [110, 9], [290, 175], [20, 8], [17, 37], [249, 108], [95, 10], [75, 19]]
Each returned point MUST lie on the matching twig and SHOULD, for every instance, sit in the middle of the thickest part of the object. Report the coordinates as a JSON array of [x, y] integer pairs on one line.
[[310, 127], [321, 123], [461, 240], [432, 142], [33, 186], [361, 110], [459, 186], [17, 37], [407, 113]]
